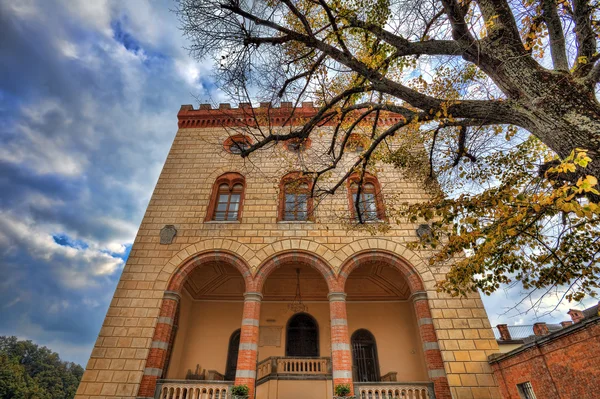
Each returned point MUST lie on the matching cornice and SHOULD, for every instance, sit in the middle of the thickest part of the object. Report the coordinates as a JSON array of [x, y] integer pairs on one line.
[[265, 114]]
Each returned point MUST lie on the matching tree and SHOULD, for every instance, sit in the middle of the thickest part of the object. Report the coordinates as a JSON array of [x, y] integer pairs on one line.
[[28, 371], [497, 105]]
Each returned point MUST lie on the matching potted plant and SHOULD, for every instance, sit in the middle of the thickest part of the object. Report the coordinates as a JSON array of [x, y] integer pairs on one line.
[[239, 392], [343, 391]]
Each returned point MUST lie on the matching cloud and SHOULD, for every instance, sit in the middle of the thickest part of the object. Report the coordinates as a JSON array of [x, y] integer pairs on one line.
[[89, 93]]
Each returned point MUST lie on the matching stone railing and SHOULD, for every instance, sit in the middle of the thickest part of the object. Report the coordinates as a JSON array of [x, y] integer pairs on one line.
[[394, 390], [184, 389], [308, 367]]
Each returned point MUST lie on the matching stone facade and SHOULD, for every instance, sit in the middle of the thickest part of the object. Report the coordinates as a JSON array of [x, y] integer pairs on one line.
[[134, 343]]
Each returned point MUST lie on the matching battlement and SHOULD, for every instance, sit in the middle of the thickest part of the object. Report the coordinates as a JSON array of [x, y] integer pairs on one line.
[[264, 115]]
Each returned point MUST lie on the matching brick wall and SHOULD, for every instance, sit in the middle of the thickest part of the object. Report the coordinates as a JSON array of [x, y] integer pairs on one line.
[[565, 364], [119, 359]]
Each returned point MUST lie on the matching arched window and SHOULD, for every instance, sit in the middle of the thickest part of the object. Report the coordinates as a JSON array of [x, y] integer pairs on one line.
[[295, 202], [302, 338], [298, 145], [370, 203], [364, 356], [236, 144], [356, 143], [232, 355], [227, 198]]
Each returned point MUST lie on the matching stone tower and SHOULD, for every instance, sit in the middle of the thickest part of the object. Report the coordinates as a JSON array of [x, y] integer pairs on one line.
[[237, 277]]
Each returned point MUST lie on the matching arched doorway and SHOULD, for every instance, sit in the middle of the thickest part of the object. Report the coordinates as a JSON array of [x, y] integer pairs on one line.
[[232, 355], [364, 355], [302, 336]]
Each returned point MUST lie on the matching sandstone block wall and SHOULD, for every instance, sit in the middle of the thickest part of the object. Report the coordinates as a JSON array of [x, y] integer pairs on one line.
[[118, 360]]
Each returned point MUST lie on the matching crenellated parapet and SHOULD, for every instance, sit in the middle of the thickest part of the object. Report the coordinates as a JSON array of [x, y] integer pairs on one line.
[[264, 115]]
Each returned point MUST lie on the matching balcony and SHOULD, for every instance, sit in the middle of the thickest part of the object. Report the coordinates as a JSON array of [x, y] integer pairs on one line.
[[394, 390], [293, 368], [193, 389]]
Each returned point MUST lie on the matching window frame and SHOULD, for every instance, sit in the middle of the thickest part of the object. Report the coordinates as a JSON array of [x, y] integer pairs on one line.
[[286, 180], [304, 144], [378, 196], [230, 179], [525, 390], [232, 140], [354, 142]]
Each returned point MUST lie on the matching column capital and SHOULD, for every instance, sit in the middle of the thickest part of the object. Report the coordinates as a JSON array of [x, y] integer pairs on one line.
[[336, 296], [253, 296], [173, 295], [418, 296]]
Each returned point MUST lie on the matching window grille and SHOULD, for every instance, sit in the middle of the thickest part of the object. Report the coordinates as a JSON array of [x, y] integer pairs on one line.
[[526, 390]]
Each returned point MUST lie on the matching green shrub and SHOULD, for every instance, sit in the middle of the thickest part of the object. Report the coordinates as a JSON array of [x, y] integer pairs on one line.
[[342, 390], [240, 390]]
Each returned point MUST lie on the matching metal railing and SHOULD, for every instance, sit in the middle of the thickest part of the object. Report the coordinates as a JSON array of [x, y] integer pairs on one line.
[[394, 390], [193, 389]]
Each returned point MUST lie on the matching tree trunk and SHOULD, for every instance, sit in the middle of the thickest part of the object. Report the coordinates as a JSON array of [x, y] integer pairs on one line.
[[566, 116], [554, 106]]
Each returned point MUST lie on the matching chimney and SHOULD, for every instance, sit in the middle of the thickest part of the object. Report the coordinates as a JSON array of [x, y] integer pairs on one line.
[[576, 315], [504, 333], [224, 106], [564, 324], [308, 104], [540, 329], [286, 104], [265, 105]]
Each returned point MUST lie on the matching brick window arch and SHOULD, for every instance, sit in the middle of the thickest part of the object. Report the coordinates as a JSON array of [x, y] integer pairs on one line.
[[371, 199], [227, 198], [295, 202], [236, 144]]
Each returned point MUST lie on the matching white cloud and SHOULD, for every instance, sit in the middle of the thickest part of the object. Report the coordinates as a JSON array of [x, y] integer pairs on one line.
[[67, 48], [76, 268], [34, 148]]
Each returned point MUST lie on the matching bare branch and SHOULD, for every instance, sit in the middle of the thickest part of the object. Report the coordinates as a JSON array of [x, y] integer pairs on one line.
[[557, 38]]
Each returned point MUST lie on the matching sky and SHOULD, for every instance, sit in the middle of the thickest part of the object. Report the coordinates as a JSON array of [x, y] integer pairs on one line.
[[89, 93]]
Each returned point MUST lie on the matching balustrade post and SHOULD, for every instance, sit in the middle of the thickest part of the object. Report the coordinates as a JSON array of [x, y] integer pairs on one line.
[[341, 356], [248, 353]]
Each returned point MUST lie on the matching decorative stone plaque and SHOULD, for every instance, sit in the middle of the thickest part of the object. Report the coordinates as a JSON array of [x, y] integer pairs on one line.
[[269, 336], [167, 234]]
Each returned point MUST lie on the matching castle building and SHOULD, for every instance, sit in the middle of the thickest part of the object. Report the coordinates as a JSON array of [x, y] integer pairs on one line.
[[238, 277]]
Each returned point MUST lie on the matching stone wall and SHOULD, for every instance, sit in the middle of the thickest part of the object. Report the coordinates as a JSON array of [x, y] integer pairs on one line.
[[134, 335]]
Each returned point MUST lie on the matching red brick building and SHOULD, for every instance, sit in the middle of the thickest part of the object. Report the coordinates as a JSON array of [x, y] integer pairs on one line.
[[564, 363]]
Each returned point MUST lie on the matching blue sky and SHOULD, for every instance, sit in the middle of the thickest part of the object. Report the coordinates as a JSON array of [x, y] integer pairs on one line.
[[89, 92]]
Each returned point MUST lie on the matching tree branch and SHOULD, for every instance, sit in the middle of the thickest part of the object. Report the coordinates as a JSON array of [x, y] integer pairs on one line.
[[586, 38], [557, 38]]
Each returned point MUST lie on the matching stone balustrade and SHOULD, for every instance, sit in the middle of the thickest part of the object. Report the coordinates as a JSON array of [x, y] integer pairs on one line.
[[184, 389], [395, 390], [309, 367]]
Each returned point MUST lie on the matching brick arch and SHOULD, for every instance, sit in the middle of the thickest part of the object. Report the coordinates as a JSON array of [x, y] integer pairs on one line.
[[295, 256], [294, 244], [410, 258], [380, 256], [179, 276], [186, 254]]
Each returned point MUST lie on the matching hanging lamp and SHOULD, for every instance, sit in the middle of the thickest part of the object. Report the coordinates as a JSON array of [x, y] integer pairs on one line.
[[297, 305]]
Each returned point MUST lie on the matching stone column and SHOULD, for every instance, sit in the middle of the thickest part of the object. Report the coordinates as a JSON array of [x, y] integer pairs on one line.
[[431, 348], [157, 356], [341, 355], [248, 353]]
